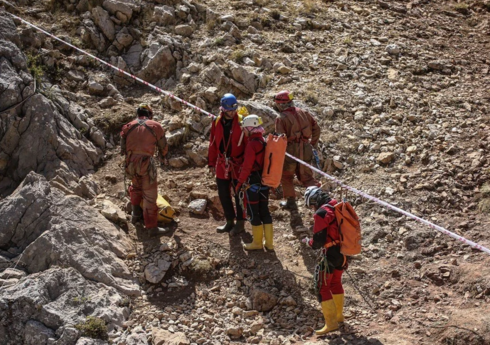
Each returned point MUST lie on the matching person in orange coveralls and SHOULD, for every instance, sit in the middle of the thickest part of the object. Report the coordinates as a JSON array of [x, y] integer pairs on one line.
[[139, 138], [303, 134]]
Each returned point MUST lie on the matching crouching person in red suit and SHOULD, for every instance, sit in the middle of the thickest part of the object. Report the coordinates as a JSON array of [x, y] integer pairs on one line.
[[328, 273]]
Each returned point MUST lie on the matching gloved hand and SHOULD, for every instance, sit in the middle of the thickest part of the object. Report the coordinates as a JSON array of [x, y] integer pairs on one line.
[[212, 171], [238, 187], [306, 241]]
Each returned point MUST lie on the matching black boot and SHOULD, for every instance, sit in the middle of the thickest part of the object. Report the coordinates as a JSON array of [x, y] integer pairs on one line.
[[156, 231], [238, 228], [136, 214], [227, 227], [289, 204]]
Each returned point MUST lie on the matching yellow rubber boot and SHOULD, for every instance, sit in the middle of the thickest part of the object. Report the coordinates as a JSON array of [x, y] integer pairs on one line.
[[258, 234], [339, 304], [269, 235], [330, 314]]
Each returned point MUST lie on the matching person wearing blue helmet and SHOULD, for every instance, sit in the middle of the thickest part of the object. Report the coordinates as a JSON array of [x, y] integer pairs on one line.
[[225, 157]]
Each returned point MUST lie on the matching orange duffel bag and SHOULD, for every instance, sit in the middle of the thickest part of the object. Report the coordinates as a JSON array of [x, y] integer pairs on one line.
[[275, 153]]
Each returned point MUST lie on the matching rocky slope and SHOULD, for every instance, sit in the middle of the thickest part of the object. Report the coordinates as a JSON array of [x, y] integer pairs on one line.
[[400, 90]]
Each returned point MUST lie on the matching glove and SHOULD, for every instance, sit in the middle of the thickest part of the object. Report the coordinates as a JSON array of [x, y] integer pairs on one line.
[[238, 187], [306, 241]]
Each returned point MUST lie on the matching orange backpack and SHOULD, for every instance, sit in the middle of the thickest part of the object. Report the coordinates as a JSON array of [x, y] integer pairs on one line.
[[349, 228], [275, 153]]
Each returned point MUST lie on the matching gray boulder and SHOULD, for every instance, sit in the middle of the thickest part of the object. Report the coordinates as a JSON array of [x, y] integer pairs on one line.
[[41, 140], [157, 63], [91, 35], [165, 15], [247, 80], [53, 229], [121, 10], [267, 114], [104, 22], [44, 307]]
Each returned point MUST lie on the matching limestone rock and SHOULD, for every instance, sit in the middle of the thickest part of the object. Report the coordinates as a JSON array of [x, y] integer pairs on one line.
[[262, 300], [54, 229], [121, 10], [244, 77], [12, 273], [386, 157], [112, 212], [165, 15], [157, 63], [198, 206], [164, 337], [101, 18], [54, 300], [184, 30], [267, 114], [178, 162], [154, 273]]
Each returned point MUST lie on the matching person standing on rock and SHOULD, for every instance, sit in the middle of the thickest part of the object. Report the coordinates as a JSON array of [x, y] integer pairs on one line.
[[139, 138], [328, 272], [303, 133], [249, 182], [225, 157]]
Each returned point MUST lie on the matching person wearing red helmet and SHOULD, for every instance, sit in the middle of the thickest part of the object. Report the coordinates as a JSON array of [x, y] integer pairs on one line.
[[225, 157], [139, 138], [303, 134]]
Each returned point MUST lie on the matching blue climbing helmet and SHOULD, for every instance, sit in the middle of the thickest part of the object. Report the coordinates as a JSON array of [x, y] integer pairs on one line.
[[229, 102]]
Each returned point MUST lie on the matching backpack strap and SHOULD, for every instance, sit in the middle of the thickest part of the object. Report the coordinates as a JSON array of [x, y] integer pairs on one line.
[[256, 164], [142, 122]]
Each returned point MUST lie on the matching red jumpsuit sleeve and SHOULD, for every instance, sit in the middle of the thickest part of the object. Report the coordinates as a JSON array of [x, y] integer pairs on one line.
[[322, 219], [213, 147], [248, 162], [124, 130]]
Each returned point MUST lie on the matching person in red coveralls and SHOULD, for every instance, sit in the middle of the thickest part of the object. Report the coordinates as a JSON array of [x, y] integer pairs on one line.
[[328, 273], [139, 138], [250, 179], [225, 157]]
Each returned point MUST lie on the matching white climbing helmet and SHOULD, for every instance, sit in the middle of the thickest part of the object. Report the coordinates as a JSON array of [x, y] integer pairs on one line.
[[251, 121], [311, 195]]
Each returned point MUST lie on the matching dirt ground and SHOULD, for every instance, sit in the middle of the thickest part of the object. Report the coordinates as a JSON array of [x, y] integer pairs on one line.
[[392, 296]]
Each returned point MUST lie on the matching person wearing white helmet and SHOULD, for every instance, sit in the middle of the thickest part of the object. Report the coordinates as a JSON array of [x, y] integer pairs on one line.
[[328, 273], [249, 181]]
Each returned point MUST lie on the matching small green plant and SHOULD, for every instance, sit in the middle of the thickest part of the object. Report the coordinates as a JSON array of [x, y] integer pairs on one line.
[[347, 40], [81, 299], [219, 41], [35, 66], [311, 97], [93, 327], [238, 55]]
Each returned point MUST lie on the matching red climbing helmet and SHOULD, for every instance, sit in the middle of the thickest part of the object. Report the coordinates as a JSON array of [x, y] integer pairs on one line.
[[283, 97]]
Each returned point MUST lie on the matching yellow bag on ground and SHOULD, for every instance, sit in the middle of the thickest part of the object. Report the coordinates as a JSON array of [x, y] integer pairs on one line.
[[165, 211]]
